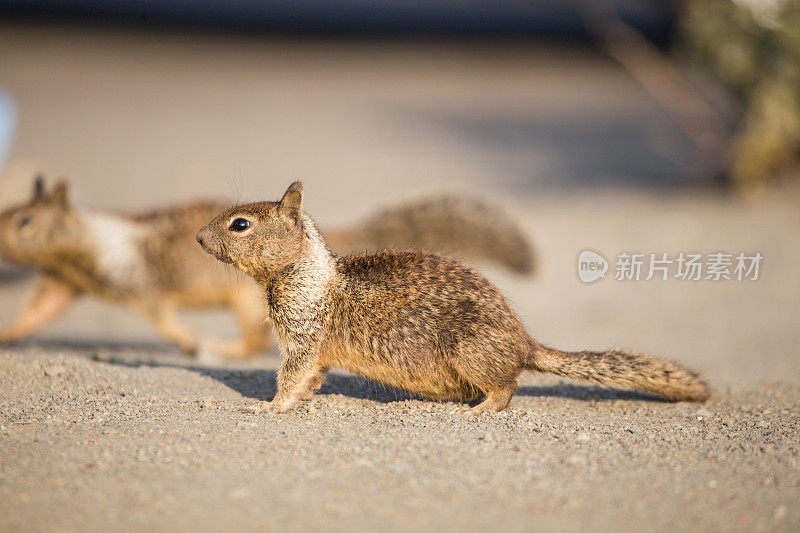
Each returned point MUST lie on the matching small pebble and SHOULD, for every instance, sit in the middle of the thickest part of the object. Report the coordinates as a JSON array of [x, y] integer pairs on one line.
[[779, 513], [703, 414], [102, 355], [239, 493], [578, 459], [54, 370]]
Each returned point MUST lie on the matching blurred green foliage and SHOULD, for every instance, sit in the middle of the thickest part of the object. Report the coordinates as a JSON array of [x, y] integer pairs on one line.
[[753, 48]]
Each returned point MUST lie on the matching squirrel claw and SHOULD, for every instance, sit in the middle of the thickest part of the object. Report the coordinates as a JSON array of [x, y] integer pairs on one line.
[[257, 409], [284, 406]]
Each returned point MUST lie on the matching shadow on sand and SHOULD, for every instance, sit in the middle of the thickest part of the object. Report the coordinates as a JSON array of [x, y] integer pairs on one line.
[[103, 348], [530, 150], [259, 384], [11, 273]]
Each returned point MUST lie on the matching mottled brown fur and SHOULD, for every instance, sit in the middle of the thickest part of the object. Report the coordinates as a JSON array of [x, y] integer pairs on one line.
[[414, 320], [154, 267]]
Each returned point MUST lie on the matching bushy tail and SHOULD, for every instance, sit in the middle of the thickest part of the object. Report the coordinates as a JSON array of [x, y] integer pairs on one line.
[[465, 228], [615, 368]]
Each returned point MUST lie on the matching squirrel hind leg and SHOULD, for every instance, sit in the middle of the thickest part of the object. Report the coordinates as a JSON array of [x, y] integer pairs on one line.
[[257, 333], [229, 349], [496, 399], [487, 368], [256, 338]]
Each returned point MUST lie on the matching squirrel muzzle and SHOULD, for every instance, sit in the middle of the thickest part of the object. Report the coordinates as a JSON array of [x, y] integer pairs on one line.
[[211, 245]]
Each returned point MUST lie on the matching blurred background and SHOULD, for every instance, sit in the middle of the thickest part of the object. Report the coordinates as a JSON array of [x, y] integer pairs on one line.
[[616, 125]]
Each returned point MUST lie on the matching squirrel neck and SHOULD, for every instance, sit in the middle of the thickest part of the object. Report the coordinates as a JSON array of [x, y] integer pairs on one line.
[[302, 286]]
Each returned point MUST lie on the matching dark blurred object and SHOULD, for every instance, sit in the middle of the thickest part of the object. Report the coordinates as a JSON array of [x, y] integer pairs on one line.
[[666, 81], [11, 272], [466, 18], [753, 48]]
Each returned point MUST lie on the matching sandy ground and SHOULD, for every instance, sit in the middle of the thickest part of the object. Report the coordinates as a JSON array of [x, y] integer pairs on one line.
[[103, 425]]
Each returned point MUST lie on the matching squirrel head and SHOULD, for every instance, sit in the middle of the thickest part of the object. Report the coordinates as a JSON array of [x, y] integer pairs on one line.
[[258, 238], [38, 230]]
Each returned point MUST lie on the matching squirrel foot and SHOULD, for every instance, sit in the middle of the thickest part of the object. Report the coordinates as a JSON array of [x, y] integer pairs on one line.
[[496, 400], [261, 407], [465, 410], [283, 405], [229, 349], [277, 405]]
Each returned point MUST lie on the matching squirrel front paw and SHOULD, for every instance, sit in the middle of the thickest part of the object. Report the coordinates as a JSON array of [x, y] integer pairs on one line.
[[283, 404], [277, 405]]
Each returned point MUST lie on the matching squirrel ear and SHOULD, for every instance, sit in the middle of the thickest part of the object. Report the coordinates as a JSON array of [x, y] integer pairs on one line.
[[293, 197], [292, 205], [60, 194], [39, 193]]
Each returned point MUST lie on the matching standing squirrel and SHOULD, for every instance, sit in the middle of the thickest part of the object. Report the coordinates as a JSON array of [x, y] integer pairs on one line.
[[410, 319], [149, 262]]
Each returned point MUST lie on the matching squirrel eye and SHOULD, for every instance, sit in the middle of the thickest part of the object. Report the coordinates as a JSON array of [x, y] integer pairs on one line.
[[23, 221], [239, 224]]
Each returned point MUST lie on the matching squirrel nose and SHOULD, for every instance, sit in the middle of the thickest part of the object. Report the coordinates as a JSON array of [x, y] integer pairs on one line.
[[199, 238]]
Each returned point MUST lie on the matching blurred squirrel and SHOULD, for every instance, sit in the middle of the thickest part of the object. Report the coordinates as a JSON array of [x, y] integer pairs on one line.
[[410, 319], [150, 263]]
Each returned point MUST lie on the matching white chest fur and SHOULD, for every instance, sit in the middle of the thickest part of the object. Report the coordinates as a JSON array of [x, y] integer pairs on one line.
[[116, 243]]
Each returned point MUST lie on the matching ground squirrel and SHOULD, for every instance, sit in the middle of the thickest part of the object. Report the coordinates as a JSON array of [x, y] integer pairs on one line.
[[410, 319], [150, 262]]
